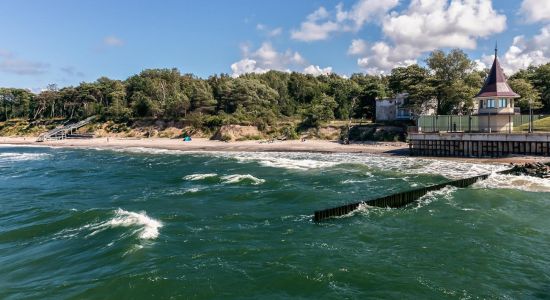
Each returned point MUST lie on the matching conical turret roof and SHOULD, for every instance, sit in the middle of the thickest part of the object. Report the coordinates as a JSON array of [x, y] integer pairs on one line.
[[495, 85]]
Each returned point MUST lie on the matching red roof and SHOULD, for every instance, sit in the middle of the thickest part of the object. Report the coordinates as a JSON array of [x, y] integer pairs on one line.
[[495, 85]]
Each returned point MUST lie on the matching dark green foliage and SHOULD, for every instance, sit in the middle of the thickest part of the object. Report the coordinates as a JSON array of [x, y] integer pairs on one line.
[[321, 110], [266, 99]]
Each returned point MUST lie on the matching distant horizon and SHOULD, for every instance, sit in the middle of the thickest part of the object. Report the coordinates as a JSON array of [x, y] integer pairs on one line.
[[65, 43]]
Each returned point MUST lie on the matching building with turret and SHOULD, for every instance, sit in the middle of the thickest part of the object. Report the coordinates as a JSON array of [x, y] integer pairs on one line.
[[495, 102]]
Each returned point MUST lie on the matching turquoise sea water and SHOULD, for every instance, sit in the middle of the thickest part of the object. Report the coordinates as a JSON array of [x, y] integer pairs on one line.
[[140, 224]]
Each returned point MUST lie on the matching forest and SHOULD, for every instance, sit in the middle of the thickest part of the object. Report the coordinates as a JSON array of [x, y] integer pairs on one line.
[[265, 99]]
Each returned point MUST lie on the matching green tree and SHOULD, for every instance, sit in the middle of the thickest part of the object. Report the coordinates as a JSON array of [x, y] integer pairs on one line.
[[449, 71], [541, 81], [321, 110], [529, 95]]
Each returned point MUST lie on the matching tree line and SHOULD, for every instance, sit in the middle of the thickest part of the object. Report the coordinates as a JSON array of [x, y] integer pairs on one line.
[[448, 79]]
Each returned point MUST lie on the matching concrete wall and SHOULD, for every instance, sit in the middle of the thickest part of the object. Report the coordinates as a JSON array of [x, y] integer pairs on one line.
[[459, 136], [478, 144], [496, 123]]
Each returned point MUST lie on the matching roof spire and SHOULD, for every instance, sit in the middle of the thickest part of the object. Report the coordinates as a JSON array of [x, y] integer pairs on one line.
[[495, 84]]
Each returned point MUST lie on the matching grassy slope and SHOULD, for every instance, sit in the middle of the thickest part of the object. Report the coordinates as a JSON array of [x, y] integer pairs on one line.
[[539, 125]]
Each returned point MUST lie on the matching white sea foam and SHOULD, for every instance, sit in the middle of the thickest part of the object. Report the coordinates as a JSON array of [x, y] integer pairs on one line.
[[408, 165], [304, 161], [146, 150], [200, 176], [445, 193], [148, 227], [235, 178], [524, 183], [16, 157], [294, 161], [192, 190], [351, 181]]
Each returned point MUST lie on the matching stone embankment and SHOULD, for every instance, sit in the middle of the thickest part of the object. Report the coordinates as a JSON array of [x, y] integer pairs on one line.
[[538, 169]]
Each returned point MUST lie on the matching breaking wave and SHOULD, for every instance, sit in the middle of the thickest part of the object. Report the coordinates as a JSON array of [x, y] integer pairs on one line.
[[304, 161], [408, 165], [522, 182], [445, 193], [200, 176], [15, 157], [236, 178], [148, 228]]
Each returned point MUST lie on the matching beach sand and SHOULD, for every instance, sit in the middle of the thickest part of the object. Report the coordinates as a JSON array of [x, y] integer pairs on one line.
[[201, 144]]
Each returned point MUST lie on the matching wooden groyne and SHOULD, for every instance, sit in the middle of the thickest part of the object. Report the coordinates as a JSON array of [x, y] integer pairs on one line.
[[396, 200]]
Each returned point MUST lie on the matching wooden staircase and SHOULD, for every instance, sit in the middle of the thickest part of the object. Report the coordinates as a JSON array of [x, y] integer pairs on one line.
[[66, 131]]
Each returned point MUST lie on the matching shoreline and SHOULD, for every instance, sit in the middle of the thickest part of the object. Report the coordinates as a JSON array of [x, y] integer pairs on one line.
[[388, 149]]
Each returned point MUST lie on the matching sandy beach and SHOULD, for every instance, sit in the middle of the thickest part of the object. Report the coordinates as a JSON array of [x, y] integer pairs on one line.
[[201, 144]]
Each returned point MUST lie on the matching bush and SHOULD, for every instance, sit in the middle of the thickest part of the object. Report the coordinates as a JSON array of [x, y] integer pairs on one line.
[[226, 138], [290, 132]]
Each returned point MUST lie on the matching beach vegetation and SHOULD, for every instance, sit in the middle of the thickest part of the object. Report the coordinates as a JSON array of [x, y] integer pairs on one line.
[[268, 100]]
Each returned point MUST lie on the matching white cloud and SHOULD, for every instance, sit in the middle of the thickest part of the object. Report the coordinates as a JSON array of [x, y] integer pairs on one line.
[[535, 10], [266, 58], [246, 65], [9, 63], [427, 25], [381, 58], [270, 32], [366, 10], [316, 70], [320, 24], [526, 52], [357, 47], [113, 41], [480, 65]]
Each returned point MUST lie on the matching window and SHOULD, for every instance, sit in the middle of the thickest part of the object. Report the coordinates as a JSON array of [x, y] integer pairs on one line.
[[491, 103], [480, 103], [502, 103]]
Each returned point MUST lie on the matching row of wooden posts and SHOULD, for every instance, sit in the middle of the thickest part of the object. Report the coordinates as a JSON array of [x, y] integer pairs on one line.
[[396, 200]]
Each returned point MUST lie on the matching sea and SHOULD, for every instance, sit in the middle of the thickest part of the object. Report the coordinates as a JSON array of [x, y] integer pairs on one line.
[[140, 223]]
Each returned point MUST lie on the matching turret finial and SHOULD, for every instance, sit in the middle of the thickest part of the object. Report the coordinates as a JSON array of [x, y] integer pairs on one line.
[[496, 48]]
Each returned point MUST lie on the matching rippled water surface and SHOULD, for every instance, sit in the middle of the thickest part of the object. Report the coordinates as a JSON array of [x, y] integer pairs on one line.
[[139, 223]]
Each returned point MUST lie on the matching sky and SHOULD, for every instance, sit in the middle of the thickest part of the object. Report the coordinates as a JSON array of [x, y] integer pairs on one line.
[[67, 42]]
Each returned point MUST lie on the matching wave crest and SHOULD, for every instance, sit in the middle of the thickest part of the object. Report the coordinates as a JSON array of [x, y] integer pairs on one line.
[[15, 157], [148, 227], [236, 178], [521, 182], [199, 176]]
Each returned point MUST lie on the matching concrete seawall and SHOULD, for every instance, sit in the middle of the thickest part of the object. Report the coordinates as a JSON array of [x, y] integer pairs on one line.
[[478, 144]]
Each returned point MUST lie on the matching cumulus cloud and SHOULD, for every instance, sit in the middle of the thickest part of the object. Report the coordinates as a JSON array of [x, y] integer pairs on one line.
[[266, 58], [270, 32], [525, 52], [535, 10], [427, 25], [316, 70], [357, 47], [113, 41], [9, 63], [320, 24], [245, 66], [381, 58]]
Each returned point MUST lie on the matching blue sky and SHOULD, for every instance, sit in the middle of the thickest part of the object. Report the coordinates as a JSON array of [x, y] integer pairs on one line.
[[66, 42]]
